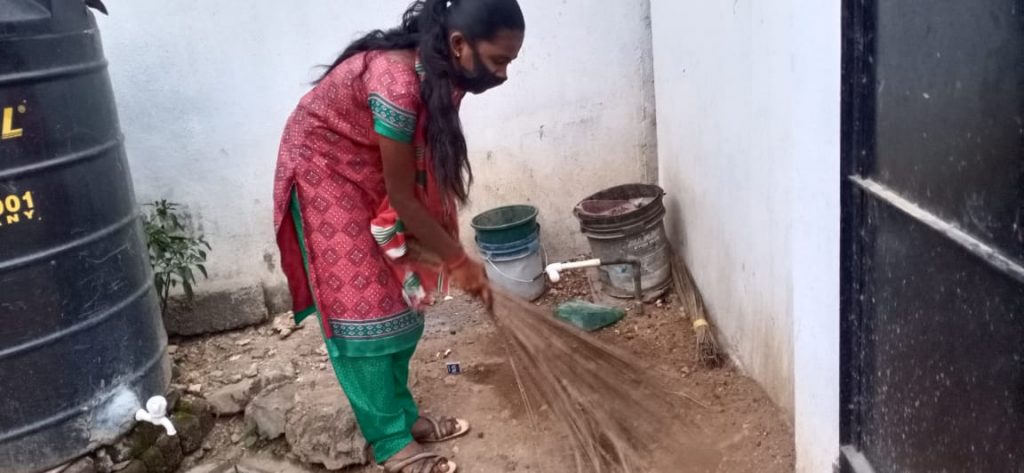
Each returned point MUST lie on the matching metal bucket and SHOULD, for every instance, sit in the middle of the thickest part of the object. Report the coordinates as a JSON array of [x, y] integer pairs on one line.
[[627, 223]]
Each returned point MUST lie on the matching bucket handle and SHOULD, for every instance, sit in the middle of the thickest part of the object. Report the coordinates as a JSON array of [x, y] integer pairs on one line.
[[523, 281]]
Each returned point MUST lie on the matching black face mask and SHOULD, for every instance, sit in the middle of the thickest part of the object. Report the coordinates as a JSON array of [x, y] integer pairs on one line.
[[480, 80]]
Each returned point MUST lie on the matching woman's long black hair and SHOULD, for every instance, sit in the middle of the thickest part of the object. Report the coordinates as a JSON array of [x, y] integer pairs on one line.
[[426, 25]]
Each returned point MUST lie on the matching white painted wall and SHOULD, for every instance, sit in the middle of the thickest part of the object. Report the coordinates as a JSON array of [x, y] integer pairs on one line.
[[748, 106], [816, 231], [204, 89]]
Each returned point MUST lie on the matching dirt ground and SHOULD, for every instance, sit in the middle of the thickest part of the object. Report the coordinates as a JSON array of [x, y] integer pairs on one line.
[[732, 406]]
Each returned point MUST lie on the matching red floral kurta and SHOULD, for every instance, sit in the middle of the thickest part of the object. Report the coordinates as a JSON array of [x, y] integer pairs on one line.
[[330, 172]]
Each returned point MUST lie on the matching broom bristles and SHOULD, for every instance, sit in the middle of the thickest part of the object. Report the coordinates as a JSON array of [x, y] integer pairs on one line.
[[708, 351], [617, 415]]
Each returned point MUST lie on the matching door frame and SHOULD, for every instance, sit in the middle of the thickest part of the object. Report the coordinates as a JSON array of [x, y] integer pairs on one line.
[[856, 156]]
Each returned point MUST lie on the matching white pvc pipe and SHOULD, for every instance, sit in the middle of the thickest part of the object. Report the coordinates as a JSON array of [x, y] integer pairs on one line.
[[554, 270]]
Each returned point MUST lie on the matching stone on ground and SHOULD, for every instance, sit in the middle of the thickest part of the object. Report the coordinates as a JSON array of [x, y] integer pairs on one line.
[[192, 435], [284, 325], [218, 312], [134, 466], [129, 447], [164, 456], [83, 465], [277, 374], [103, 462], [267, 412], [269, 465], [222, 467], [321, 428], [254, 464], [190, 431], [232, 399]]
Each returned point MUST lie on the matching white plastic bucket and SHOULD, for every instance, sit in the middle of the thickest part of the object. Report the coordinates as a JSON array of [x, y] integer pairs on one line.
[[517, 268]]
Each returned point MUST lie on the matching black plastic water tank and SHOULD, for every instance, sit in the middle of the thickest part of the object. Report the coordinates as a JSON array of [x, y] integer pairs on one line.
[[82, 344]]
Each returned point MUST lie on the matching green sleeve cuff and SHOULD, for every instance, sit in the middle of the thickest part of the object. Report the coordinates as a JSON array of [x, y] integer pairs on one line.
[[391, 120], [388, 131]]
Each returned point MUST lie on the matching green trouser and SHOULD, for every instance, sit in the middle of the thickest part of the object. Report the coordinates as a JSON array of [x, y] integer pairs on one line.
[[378, 390], [377, 387]]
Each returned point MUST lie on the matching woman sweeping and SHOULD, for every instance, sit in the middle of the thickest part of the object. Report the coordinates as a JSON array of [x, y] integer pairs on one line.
[[372, 167]]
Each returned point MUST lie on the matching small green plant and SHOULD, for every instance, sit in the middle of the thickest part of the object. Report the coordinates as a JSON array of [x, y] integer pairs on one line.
[[174, 251]]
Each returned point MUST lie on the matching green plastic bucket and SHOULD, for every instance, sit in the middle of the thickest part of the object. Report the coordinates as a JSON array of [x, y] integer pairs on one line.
[[506, 224]]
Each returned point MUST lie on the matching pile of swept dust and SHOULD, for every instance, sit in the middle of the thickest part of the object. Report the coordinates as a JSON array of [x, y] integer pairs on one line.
[[618, 417]]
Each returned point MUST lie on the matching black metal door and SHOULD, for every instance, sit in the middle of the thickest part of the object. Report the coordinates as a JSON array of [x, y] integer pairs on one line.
[[933, 293]]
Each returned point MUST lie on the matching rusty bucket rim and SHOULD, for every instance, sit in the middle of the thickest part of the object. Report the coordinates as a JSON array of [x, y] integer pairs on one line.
[[615, 226]]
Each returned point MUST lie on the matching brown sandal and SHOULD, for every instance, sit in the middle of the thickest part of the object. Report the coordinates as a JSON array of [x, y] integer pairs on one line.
[[431, 461], [461, 428]]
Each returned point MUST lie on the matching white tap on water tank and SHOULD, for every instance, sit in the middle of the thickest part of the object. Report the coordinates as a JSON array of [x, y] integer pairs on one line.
[[156, 413]]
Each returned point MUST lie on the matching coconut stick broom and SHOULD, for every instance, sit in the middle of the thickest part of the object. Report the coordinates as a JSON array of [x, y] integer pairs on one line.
[[708, 353], [612, 407]]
